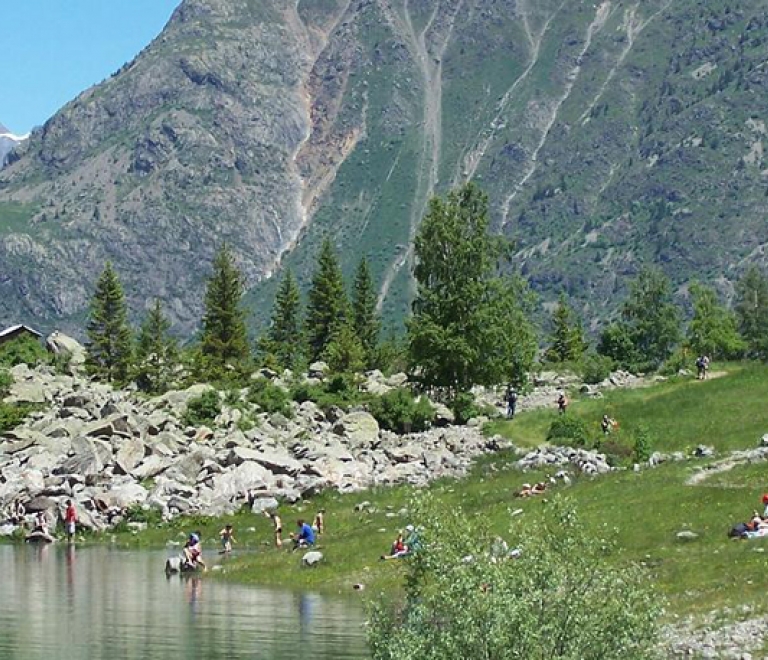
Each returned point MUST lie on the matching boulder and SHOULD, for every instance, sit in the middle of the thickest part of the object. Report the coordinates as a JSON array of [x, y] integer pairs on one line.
[[63, 345], [86, 459], [130, 454], [151, 467], [318, 370], [124, 496], [264, 504], [26, 391], [361, 428], [238, 482], [312, 558]]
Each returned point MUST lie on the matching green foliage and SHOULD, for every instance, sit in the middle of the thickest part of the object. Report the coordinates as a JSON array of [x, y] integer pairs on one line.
[[399, 411], [23, 350], [752, 312], [464, 407], [569, 431], [712, 330], [643, 444], [328, 307], [469, 326], [6, 380], [157, 353], [560, 599], [224, 342], [344, 352], [269, 397], [340, 390], [283, 343], [13, 414], [364, 315], [567, 342], [649, 327], [391, 355], [202, 410], [109, 349], [595, 368]]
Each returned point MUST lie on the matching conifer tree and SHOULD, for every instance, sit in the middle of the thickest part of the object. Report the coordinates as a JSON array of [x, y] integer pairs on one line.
[[365, 318], [328, 305], [224, 340], [344, 352], [752, 311], [109, 337], [568, 342], [283, 341], [156, 353]]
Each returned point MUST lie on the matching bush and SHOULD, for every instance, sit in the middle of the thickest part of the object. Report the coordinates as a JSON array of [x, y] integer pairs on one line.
[[676, 362], [202, 410], [595, 368], [23, 350], [569, 431], [6, 380], [643, 445], [270, 398], [339, 391], [12, 415], [563, 598], [617, 452], [464, 407], [399, 411]]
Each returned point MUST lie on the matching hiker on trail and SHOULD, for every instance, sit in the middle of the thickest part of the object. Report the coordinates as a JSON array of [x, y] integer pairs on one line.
[[277, 525], [511, 399], [319, 524], [562, 403], [702, 367], [306, 536], [70, 520], [399, 548], [227, 536]]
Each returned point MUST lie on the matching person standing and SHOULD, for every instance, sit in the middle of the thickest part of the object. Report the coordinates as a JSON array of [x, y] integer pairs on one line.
[[562, 403], [511, 398], [277, 525], [70, 521], [319, 524]]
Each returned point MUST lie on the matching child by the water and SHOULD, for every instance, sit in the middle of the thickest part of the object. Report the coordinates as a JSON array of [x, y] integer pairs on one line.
[[319, 524], [227, 536]]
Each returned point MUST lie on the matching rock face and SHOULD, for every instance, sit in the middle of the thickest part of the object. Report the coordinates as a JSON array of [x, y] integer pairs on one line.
[[111, 452], [251, 121]]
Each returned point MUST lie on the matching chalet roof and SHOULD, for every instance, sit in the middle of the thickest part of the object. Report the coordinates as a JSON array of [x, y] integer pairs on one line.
[[16, 328]]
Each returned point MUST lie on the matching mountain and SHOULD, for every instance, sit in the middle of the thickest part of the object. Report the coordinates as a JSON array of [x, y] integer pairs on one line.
[[607, 135], [8, 142]]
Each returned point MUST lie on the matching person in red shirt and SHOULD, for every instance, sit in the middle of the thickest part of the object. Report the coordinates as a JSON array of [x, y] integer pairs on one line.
[[70, 520]]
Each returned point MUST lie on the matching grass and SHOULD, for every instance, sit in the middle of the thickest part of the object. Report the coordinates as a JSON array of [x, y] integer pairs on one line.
[[643, 511]]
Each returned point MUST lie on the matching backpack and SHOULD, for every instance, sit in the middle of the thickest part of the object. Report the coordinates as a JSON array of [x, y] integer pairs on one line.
[[739, 530]]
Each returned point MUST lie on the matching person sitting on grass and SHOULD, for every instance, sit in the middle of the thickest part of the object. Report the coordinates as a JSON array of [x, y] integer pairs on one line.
[[227, 536], [306, 536], [398, 550]]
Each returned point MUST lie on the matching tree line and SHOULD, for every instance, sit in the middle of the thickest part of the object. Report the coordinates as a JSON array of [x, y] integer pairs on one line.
[[471, 321]]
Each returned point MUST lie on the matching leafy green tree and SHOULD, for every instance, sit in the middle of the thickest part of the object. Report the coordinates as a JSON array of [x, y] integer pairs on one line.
[[558, 597], [224, 340], [283, 343], [712, 330], [752, 312], [157, 353], [649, 327], [469, 325], [328, 304], [568, 343], [344, 352], [364, 316], [109, 345]]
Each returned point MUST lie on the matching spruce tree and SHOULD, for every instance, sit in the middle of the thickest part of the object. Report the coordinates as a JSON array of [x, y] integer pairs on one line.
[[752, 311], [365, 319], [568, 342], [328, 306], [344, 352], [156, 353], [224, 340], [282, 344], [109, 337]]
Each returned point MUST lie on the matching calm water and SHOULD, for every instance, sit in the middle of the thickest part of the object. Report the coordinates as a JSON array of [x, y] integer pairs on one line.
[[83, 603]]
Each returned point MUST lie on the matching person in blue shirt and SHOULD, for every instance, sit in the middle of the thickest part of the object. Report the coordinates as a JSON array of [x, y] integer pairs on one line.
[[306, 536]]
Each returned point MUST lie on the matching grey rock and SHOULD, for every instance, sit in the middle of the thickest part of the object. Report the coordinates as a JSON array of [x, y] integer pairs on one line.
[[312, 558], [264, 504], [130, 454]]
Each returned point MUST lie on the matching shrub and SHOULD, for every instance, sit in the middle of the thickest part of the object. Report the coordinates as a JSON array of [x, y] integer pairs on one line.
[[563, 598], [568, 430], [595, 368], [464, 407], [617, 452], [12, 415], [23, 350], [6, 380], [399, 411], [270, 398], [340, 391], [202, 410], [643, 444], [676, 362]]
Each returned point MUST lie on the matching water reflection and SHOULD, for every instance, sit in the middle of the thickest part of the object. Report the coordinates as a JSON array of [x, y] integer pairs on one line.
[[82, 603]]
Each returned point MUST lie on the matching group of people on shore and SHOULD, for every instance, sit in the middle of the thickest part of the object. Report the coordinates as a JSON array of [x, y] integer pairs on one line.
[[40, 527], [756, 527]]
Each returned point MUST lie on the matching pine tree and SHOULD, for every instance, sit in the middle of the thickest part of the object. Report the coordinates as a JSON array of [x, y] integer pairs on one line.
[[344, 352], [568, 342], [109, 337], [224, 340], [328, 305], [157, 353], [283, 342], [469, 325], [712, 330], [365, 318], [752, 311]]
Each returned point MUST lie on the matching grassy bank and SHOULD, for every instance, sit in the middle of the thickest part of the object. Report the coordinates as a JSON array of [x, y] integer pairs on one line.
[[643, 510]]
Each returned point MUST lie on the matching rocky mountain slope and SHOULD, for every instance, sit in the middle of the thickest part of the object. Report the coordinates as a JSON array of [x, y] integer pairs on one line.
[[607, 134], [8, 142]]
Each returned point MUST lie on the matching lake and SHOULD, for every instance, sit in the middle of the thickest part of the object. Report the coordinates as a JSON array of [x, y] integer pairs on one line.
[[97, 602]]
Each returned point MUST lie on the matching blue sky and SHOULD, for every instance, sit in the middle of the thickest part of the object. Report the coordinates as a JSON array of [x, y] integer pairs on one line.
[[55, 49]]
